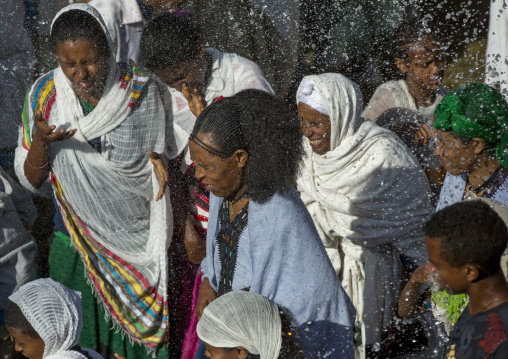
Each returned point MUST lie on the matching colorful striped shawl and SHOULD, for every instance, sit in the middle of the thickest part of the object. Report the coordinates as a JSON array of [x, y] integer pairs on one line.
[[136, 306]]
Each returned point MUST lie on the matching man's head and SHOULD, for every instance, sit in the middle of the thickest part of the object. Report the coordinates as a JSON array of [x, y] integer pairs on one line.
[[171, 48], [465, 242]]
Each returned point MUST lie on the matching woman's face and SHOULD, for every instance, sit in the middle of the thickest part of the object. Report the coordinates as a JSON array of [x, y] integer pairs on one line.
[[86, 67], [221, 176], [425, 64], [316, 126], [191, 73], [28, 346], [456, 157], [221, 353]]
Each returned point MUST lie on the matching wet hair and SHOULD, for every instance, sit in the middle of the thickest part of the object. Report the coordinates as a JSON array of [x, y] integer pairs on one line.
[[408, 33], [76, 25], [15, 319], [291, 345], [169, 40], [258, 123], [471, 232]]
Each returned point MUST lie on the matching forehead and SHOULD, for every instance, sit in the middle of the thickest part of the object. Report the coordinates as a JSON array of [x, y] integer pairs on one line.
[[427, 48], [307, 112], [448, 138], [170, 74], [77, 48], [198, 153]]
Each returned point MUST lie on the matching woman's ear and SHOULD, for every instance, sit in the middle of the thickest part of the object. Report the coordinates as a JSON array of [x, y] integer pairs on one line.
[[242, 353], [479, 145], [402, 65], [241, 158]]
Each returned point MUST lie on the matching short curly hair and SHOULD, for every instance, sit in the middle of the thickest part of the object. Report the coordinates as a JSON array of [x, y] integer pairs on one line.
[[255, 121], [471, 232], [169, 40]]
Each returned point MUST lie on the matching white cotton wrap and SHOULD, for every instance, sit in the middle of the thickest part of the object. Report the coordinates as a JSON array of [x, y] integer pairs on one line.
[[54, 311], [309, 95], [367, 196], [242, 319]]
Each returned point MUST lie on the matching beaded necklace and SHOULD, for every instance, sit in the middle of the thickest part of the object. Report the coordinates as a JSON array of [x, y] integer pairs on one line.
[[227, 239]]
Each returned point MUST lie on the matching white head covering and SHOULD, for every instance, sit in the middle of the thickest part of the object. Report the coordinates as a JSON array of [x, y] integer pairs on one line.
[[54, 311], [242, 319], [308, 94], [92, 11]]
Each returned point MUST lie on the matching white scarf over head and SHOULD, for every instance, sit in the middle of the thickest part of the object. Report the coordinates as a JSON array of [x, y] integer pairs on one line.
[[242, 319], [54, 311], [365, 194]]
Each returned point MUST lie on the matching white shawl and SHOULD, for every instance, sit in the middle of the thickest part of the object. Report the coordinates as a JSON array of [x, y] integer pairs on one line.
[[366, 195], [54, 311], [243, 319], [395, 94]]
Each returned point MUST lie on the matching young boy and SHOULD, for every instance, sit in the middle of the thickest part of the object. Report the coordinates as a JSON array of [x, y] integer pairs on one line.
[[465, 242]]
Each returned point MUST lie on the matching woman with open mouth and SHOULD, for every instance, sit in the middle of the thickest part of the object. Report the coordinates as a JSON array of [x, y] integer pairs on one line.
[[88, 128]]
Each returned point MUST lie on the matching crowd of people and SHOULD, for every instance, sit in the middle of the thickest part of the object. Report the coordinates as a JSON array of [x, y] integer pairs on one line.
[[325, 228]]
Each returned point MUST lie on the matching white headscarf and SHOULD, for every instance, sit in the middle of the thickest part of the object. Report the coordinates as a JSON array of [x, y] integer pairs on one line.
[[54, 311], [309, 95], [242, 319]]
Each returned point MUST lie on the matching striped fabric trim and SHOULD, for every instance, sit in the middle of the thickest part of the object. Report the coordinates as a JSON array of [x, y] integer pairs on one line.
[[139, 77], [136, 307], [40, 97]]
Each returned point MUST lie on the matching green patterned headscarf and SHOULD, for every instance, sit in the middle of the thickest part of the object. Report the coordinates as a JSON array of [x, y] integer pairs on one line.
[[476, 111]]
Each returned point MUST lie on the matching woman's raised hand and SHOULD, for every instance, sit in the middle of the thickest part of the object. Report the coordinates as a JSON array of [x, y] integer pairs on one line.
[[44, 132], [195, 98], [423, 134], [36, 165]]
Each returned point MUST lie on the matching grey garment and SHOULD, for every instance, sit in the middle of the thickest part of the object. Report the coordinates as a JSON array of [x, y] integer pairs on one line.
[[405, 122], [254, 30], [17, 246], [17, 60]]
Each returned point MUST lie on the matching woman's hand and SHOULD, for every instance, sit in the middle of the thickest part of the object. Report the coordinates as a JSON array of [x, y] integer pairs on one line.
[[161, 170], [44, 133], [118, 356], [206, 296], [423, 274], [195, 98], [36, 165], [423, 135]]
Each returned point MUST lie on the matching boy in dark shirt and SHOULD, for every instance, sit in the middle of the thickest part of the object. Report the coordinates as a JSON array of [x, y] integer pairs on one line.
[[465, 242]]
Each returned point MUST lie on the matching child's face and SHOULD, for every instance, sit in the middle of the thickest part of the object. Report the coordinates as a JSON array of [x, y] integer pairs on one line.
[[452, 279], [425, 64], [30, 347]]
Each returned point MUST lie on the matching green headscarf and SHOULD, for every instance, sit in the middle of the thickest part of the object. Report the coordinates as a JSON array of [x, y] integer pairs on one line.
[[476, 110]]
